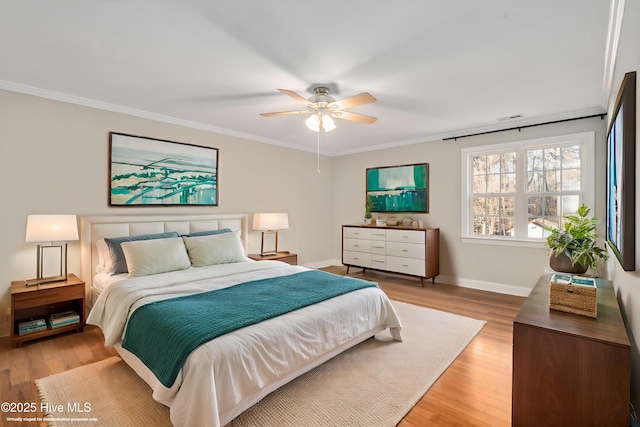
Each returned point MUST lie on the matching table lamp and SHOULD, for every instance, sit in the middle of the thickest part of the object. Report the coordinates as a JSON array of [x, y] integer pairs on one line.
[[51, 228], [270, 223]]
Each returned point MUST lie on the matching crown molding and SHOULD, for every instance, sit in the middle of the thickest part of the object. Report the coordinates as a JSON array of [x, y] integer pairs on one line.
[[616, 16]]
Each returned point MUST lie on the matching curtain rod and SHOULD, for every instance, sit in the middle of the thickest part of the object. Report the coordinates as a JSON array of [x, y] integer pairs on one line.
[[455, 138]]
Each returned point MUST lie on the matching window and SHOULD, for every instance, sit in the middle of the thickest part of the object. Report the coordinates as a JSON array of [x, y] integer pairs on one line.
[[513, 191]]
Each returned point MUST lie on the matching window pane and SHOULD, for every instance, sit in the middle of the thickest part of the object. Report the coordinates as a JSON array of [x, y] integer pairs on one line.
[[571, 179], [534, 160], [506, 227], [535, 228], [493, 163], [479, 225], [552, 158], [479, 206], [493, 183], [534, 206], [479, 165], [571, 157], [493, 205], [508, 205], [508, 183], [570, 204], [551, 181], [551, 206], [479, 184], [534, 182], [509, 162]]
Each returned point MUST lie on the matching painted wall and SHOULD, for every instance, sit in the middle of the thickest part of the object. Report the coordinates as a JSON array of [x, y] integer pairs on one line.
[[506, 269], [54, 159], [627, 283]]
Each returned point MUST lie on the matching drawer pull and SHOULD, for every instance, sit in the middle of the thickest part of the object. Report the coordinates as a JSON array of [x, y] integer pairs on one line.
[[405, 265], [405, 250], [380, 262], [355, 246], [378, 247]]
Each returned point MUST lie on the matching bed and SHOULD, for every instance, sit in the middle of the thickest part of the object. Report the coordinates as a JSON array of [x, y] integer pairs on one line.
[[263, 338]]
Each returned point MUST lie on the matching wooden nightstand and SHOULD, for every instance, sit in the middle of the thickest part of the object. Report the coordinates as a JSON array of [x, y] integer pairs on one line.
[[40, 301], [287, 257]]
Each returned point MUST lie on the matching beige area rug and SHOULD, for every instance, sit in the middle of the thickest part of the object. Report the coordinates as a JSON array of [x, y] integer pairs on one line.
[[374, 383]]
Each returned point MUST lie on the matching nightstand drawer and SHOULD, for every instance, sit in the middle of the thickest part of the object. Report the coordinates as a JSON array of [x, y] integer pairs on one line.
[[47, 296]]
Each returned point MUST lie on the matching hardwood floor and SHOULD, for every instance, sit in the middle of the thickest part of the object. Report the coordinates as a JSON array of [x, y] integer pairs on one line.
[[474, 391]]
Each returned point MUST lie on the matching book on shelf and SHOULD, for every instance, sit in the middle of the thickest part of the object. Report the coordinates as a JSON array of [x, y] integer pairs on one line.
[[568, 279], [31, 326], [62, 319]]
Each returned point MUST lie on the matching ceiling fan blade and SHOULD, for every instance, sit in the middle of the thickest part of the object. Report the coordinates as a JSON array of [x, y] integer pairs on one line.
[[294, 95], [354, 101], [360, 118], [287, 113]]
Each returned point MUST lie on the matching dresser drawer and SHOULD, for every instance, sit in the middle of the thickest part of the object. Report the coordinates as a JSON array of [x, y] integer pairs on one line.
[[408, 250], [378, 261], [378, 234], [356, 258], [408, 236], [356, 232], [357, 245], [378, 247], [416, 267]]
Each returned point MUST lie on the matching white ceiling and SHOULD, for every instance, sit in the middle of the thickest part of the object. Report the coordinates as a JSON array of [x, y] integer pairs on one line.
[[437, 67]]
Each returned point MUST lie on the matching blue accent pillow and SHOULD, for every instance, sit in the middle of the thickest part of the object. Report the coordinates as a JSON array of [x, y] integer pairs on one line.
[[117, 255], [208, 232]]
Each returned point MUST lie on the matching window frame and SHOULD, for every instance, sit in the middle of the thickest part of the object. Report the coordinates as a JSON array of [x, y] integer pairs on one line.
[[587, 183]]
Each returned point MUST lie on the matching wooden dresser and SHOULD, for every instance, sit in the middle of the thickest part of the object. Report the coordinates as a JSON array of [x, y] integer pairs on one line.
[[403, 250], [570, 370]]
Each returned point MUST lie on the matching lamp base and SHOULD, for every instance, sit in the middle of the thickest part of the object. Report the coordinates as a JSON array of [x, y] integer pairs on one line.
[[43, 280]]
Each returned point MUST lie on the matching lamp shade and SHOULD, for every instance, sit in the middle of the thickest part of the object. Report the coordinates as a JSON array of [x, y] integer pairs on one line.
[[51, 228], [270, 221]]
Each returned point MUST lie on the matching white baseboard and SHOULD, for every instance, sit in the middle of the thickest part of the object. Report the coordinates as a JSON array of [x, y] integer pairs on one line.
[[501, 288]]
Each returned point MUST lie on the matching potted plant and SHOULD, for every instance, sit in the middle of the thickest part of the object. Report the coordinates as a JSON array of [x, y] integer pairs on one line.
[[573, 246], [368, 205]]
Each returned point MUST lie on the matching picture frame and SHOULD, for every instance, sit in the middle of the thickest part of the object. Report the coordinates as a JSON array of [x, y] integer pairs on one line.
[[398, 189], [621, 188], [155, 172]]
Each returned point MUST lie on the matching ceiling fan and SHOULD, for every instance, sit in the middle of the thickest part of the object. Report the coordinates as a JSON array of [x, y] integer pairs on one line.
[[323, 107]]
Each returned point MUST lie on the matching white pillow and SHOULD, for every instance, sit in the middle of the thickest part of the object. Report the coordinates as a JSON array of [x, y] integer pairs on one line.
[[145, 257], [104, 256], [215, 249]]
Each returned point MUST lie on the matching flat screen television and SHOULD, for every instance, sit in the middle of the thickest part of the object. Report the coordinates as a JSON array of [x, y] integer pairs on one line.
[[621, 175], [402, 189]]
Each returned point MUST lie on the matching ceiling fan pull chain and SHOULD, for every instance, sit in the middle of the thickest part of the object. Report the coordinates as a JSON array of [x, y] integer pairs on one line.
[[318, 149]]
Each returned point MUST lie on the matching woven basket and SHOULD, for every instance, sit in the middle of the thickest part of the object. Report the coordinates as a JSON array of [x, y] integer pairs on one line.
[[572, 298]]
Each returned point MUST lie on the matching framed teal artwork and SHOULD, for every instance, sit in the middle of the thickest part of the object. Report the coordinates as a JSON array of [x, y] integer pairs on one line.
[[155, 172]]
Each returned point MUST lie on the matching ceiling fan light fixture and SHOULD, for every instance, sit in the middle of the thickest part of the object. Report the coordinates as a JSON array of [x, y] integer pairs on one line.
[[313, 123]]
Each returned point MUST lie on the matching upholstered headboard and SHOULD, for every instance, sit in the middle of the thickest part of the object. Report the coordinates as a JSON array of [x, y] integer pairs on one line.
[[94, 228]]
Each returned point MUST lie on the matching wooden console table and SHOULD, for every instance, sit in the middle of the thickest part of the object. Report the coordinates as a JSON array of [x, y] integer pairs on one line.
[[570, 370]]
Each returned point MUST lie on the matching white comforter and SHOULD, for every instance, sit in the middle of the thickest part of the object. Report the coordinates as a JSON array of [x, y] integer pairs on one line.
[[227, 375]]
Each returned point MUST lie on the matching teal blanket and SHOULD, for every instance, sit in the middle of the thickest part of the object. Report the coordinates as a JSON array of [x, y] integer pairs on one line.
[[163, 333]]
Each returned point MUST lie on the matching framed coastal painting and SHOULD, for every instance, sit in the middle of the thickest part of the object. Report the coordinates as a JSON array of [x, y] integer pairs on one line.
[[155, 172], [621, 178], [403, 188]]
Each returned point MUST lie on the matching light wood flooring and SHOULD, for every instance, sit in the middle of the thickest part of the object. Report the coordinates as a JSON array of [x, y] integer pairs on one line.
[[474, 391]]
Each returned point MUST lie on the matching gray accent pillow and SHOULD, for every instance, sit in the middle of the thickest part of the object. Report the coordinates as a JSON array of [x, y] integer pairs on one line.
[[207, 233], [118, 260]]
